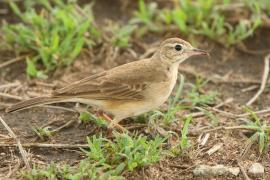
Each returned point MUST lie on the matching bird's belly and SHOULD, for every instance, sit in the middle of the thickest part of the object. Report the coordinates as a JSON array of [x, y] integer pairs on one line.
[[156, 96], [128, 108], [121, 108], [134, 108]]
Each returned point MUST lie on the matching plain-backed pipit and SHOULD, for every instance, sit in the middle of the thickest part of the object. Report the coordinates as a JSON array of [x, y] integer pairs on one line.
[[127, 90]]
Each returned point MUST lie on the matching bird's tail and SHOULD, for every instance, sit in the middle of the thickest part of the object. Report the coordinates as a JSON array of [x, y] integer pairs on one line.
[[31, 103]]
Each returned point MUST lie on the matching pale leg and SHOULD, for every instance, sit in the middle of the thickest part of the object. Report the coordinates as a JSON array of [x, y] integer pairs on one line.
[[114, 123]]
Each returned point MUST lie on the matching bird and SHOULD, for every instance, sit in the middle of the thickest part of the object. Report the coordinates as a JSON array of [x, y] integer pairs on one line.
[[127, 90]]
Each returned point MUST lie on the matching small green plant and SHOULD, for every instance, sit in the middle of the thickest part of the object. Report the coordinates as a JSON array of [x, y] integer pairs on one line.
[[145, 16], [88, 117], [43, 133], [166, 16], [180, 144], [242, 30], [53, 36], [210, 115], [265, 5], [214, 29], [106, 159], [180, 20], [84, 170], [196, 98], [50, 173], [121, 35], [197, 12], [203, 17], [262, 131], [184, 138], [132, 152]]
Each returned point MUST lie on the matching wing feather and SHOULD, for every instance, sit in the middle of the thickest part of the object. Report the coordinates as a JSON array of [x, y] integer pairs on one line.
[[123, 82]]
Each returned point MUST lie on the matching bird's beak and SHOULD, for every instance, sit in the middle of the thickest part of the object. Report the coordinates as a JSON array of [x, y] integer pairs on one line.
[[198, 52]]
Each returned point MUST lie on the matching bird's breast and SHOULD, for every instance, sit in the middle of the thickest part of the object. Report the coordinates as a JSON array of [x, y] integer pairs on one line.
[[160, 92]]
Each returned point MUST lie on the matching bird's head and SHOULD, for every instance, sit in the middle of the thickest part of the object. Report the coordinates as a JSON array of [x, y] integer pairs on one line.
[[176, 50]]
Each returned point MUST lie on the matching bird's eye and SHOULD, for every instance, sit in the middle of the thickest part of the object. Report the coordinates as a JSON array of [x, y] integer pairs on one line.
[[178, 47]]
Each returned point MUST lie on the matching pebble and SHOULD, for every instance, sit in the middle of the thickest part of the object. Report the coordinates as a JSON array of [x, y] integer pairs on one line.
[[217, 170], [256, 170]]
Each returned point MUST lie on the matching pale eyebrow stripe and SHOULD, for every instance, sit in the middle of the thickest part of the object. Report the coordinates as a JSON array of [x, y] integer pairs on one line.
[[173, 45], [170, 45]]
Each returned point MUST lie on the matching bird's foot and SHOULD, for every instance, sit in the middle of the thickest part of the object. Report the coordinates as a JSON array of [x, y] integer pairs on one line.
[[113, 124], [80, 109]]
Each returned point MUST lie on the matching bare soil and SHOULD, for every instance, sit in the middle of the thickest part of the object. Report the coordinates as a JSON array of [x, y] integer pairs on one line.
[[230, 69]]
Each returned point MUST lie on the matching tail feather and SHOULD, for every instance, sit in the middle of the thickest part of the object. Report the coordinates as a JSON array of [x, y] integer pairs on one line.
[[31, 103]]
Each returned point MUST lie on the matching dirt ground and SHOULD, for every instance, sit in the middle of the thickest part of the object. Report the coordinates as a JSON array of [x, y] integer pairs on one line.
[[229, 70]]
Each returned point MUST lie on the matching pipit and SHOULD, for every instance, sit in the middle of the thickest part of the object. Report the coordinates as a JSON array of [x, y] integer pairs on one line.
[[127, 90]]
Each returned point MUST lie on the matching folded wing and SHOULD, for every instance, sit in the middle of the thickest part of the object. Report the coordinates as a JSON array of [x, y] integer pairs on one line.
[[126, 82]]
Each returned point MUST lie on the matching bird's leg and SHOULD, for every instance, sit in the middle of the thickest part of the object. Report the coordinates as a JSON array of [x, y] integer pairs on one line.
[[113, 123], [79, 109]]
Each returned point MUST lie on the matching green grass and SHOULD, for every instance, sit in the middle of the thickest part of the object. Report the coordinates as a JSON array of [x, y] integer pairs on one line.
[[201, 17], [43, 133], [53, 36], [106, 159], [133, 152], [84, 170], [198, 99], [261, 131], [184, 143], [121, 35], [89, 117], [145, 17]]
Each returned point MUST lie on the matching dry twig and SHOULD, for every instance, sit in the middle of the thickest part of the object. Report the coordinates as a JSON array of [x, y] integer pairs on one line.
[[11, 96], [242, 47], [67, 124], [50, 85], [243, 171], [227, 128], [14, 60], [264, 81], [214, 149], [9, 85], [4, 104], [18, 143], [44, 145], [250, 88], [231, 115]]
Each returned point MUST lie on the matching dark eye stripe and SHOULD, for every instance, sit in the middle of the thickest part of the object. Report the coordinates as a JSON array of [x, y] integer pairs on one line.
[[178, 47]]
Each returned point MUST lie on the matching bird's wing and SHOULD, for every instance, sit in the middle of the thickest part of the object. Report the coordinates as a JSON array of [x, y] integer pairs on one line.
[[124, 82]]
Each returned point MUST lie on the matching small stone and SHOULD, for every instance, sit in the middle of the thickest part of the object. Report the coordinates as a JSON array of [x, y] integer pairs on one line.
[[2, 154], [205, 170], [256, 170]]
